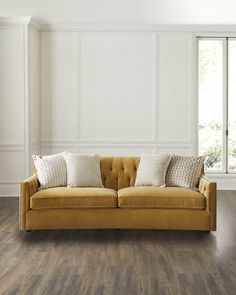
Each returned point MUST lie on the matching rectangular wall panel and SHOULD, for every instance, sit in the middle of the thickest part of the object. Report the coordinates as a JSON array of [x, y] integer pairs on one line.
[[117, 86], [9, 189], [175, 92], [12, 161], [11, 85], [12, 109], [59, 83]]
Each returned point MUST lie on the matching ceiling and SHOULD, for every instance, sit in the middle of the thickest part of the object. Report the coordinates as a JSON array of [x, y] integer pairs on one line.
[[124, 11]]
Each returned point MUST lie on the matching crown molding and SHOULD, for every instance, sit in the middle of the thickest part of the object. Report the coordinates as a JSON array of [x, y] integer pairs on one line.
[[117, 27], [35, 24], [20, 21], [112, 27]]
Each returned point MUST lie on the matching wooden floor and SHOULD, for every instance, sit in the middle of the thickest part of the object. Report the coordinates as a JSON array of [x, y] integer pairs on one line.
[[123, 262]]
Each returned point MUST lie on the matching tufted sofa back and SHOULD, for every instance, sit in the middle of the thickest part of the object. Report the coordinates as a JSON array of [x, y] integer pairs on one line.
[[119, 172]]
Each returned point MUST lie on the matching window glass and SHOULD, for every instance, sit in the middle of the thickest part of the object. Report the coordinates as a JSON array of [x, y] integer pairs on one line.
[[232, 105], [210, 97]]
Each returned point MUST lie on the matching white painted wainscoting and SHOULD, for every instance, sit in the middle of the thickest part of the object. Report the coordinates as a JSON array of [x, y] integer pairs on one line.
[[19, 101], [12, 163], [117, 92], [107, 89]]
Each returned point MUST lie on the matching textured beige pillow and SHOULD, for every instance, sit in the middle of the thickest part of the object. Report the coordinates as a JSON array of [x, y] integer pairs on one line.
[[184, 171], [51, 170], [152, 170], [83, 170]]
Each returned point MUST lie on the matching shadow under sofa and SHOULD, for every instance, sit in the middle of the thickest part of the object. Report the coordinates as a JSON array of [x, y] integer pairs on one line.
[[119, 204]]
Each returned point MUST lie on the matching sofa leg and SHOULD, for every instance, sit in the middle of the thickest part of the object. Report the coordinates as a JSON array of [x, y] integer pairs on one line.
[[207, 231], [28, 231]]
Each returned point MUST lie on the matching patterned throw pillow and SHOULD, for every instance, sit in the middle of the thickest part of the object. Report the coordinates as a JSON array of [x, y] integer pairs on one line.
[[184, 171], [51, 170], [152, 170], [83, 170]]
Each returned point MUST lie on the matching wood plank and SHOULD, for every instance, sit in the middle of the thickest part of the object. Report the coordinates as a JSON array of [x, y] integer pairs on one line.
[[118, 261]]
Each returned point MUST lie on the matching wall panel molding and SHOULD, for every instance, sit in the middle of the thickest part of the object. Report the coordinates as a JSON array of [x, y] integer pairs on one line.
[[139, 141], [111, 27], [11, 146], [79, 86], [26, 99], [155, 84]]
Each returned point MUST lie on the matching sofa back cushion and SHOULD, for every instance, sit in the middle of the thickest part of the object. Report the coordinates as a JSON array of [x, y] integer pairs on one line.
[[119, 172]]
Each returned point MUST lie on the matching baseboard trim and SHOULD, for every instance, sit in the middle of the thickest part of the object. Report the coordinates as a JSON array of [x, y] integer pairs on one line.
[[9, 196], [224, 181]]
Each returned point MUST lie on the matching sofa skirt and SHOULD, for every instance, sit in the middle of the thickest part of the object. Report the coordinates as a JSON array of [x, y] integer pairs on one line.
[[117, 218]]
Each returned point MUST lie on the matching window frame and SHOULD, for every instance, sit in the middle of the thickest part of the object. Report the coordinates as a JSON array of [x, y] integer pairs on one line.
[[225, 97]]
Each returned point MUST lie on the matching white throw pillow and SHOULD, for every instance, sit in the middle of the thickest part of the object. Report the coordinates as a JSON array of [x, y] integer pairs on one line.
[[152, 170], [51, 170], [184, 171], [83, 170]]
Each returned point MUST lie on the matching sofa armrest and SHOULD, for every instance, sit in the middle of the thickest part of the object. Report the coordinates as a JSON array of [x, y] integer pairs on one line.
[[27, 189], [208, 189]]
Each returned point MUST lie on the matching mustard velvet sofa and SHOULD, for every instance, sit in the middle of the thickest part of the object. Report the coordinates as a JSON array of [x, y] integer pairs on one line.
[[119, 204]]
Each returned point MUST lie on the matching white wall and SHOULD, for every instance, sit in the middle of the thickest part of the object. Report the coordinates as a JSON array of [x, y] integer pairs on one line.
[[107, 89], [123, 11], [117, 92], [12, 167], [19, 102]]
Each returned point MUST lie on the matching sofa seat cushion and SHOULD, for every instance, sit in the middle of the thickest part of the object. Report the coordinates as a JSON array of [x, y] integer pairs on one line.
[[158, 197], [66, 197]]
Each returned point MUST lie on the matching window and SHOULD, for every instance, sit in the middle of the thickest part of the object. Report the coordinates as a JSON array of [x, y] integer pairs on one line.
[[217, 103]]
